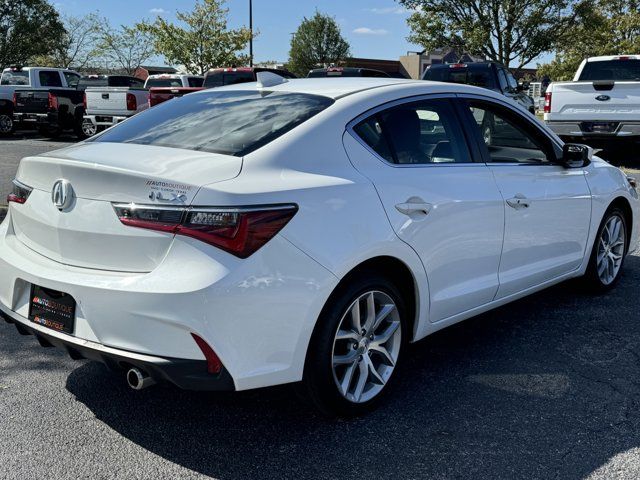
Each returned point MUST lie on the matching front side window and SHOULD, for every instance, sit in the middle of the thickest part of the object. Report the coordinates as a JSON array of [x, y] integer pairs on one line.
[[72, 79], [416, 133], [507, 137], [227, 122], [50, 78]]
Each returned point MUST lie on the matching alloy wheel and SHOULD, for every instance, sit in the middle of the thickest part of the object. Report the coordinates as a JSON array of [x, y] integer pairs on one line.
[[366, 346], [88, 128], [611, 246]]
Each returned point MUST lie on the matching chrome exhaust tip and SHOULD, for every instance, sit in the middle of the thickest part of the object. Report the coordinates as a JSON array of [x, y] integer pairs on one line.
[[138, 380]]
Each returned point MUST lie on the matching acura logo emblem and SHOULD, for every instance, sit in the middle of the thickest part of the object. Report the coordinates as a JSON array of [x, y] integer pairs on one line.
[[603, 98], [62, 194]]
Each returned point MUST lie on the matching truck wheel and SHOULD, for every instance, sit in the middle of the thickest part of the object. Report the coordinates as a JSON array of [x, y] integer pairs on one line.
[[85, 129], [6, 124]]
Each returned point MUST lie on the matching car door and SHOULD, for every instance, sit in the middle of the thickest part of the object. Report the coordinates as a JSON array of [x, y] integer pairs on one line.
[[548, 206], [438, 200]]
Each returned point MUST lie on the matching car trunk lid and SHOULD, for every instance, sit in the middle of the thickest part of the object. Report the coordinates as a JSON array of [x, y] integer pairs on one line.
[[88, 233]]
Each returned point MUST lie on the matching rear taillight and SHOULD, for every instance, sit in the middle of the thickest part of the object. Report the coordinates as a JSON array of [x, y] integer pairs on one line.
[[15, 99], [132, 103], [53, 102], [214, 365], [239, 231], [84, 101], [547, 102], [19, 193]]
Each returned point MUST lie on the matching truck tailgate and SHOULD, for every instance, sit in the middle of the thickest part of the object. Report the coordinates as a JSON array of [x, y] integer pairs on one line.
[[31, 101], [595, 101], [105, 100]]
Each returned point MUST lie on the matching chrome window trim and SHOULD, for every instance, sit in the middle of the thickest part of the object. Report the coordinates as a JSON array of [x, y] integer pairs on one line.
[[401, 101]]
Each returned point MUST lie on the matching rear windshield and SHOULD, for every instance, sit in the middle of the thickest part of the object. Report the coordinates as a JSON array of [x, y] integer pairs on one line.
[[480, 77], [219, 79], [227, 122], [15, 78], [163, 82], [86, 82], [611, 70]]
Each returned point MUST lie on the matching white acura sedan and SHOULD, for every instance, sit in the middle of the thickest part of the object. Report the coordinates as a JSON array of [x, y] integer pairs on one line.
[[303, 230]]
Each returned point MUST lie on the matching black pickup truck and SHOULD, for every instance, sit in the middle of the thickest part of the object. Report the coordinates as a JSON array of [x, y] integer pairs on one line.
[[50, 111]]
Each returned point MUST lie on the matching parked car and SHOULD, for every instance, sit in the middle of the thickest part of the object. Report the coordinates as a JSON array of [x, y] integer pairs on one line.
[[601, 106], [338, 72], [301, 230], [162, 94], [109, 81], [219, 77], [35, 79], [108, 106], [491, 75], [174, 81]]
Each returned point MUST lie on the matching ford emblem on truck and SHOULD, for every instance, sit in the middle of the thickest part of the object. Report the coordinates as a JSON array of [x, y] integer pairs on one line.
[[603, 98]]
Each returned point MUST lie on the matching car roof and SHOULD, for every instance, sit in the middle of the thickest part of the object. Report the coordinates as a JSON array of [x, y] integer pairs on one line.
[[333, 88]]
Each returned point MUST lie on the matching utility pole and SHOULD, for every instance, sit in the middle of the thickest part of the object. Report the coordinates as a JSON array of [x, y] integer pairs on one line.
[[251, 30]]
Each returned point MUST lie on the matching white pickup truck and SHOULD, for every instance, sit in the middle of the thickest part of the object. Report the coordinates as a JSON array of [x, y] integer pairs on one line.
[[108, 106], [601, 106]]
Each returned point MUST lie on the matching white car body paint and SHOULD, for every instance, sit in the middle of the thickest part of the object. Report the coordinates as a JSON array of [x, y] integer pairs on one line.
[[144, 292]]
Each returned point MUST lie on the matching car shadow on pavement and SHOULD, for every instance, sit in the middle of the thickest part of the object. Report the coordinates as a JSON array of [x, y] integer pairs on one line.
[[545, 387]]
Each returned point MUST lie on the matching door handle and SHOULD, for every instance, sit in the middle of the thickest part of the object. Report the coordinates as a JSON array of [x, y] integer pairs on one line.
[[519, 202], [414, 205]]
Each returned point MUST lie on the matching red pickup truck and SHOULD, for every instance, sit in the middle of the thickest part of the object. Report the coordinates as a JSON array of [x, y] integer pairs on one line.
[[162, 94]]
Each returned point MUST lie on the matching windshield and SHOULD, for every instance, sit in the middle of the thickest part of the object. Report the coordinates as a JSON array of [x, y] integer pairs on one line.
[[467, 75], [620, 70], [163, 82], [227, 122], [15, 78]]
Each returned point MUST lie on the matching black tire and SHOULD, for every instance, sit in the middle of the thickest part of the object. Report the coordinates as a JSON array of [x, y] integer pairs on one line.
[[318, 384], [81, 132], [592, 279], [7, 125]]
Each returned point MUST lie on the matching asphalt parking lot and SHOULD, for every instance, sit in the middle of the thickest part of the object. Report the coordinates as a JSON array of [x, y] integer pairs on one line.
[[547, 387]]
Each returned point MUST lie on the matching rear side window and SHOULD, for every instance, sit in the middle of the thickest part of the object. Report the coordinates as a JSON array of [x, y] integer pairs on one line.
[[15, 78], [227, 122], [195, 82], [417, 133], [72, 79], [49, 78], [621, 70]]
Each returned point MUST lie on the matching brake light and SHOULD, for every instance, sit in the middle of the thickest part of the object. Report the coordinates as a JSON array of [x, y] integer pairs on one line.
[[547, 102], [132, 103], [238, 231], [214, 365], [458, 65], [53, 102], [19, 193], [84, 101], [624, 57], [15, 99]]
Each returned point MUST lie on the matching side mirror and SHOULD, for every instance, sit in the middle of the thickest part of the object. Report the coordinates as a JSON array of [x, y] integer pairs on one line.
[[575, 155]]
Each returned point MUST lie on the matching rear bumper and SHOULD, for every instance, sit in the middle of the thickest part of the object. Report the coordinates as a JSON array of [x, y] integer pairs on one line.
[[183, 373], [257, 314], [36, 118], [106, 120], [629, 131]]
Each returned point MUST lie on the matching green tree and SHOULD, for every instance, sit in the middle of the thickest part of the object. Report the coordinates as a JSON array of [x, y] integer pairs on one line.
[[28, 28], [204, 42], [609, 27], [318, 42], [512, 32], [124, 49]]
